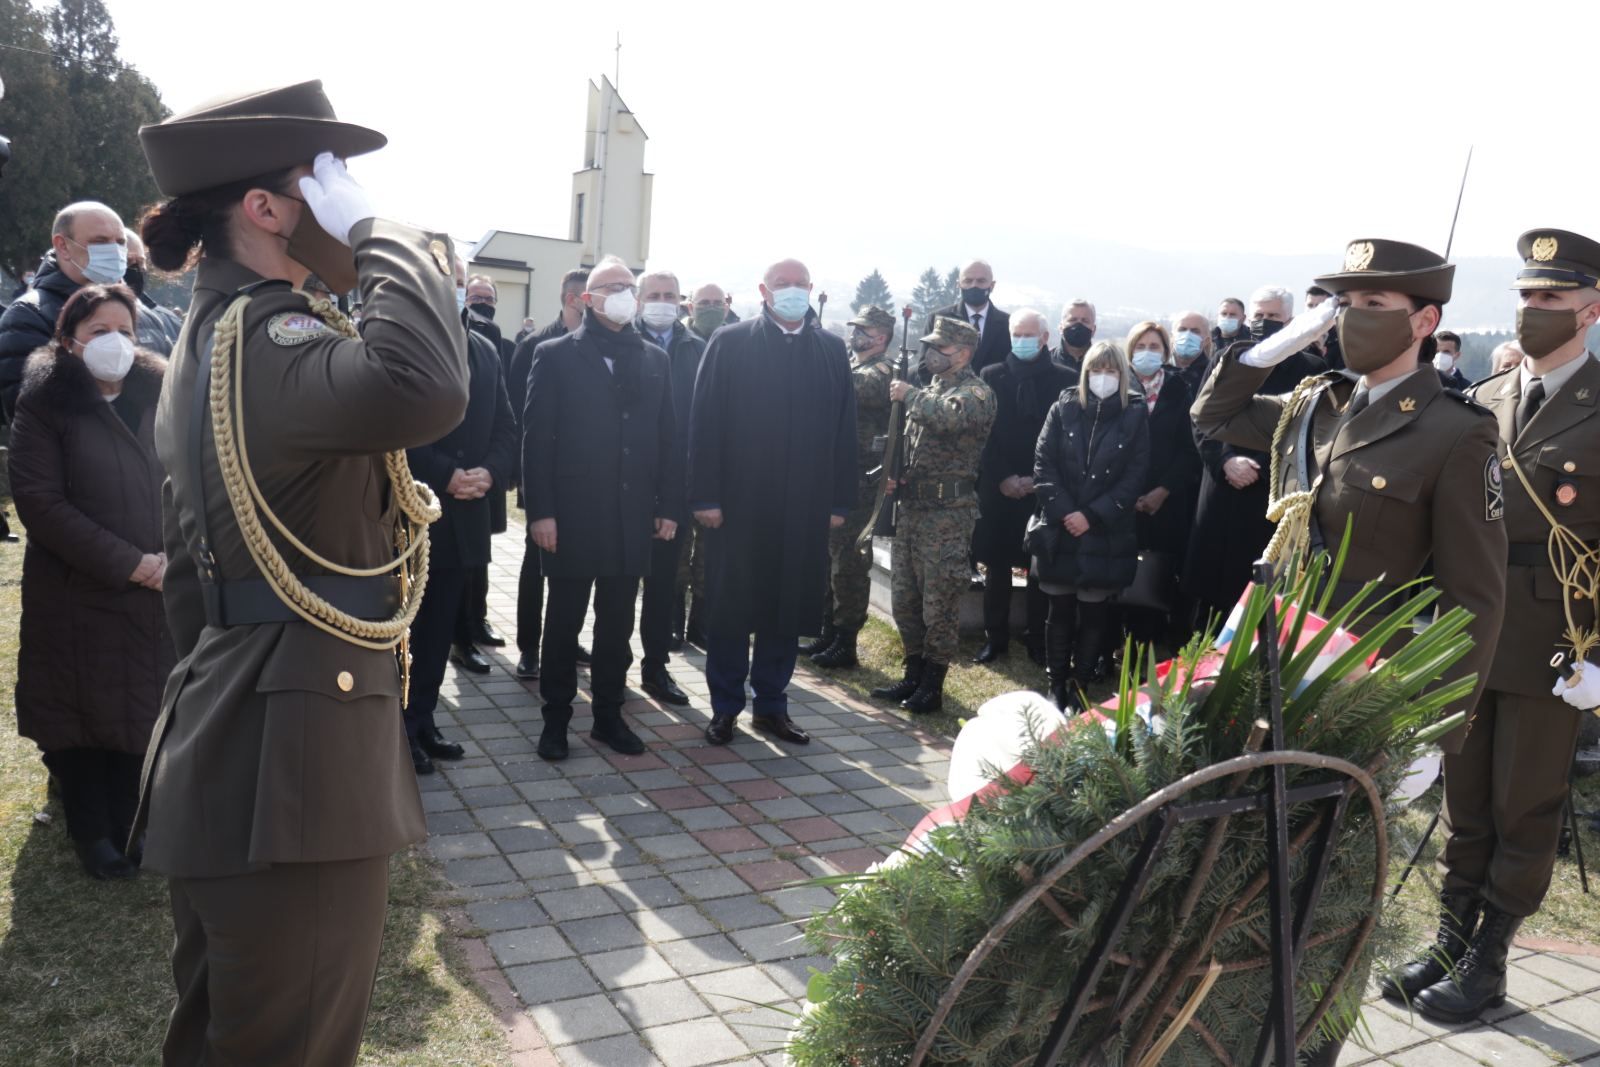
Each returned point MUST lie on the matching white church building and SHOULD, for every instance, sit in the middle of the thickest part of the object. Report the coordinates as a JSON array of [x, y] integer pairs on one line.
[[610, 215]]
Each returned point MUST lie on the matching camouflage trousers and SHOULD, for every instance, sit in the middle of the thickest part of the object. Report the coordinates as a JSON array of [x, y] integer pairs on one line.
[[850, 568], [928, 573]]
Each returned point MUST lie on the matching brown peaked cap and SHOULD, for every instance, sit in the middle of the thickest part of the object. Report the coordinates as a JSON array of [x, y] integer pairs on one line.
[[242, 136]]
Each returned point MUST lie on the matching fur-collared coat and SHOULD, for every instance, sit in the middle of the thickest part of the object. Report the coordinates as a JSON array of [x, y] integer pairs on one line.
[[95, 649]]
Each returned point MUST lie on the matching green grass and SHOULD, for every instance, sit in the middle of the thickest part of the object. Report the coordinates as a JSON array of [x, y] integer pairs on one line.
[[83, 964], [1567, 914]]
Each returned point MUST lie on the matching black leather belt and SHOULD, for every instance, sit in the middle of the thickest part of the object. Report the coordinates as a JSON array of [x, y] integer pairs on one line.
[[947, 491], [250, 602]]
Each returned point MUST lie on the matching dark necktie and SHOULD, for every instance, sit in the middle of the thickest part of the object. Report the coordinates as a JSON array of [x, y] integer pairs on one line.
[[1530, 404], [1358, 404], [977, 324]]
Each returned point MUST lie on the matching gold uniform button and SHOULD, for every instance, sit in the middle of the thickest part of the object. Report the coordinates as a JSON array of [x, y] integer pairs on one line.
[[1379, 482], [347, 681], [1506, 463], [441, 255], [1569, 466]]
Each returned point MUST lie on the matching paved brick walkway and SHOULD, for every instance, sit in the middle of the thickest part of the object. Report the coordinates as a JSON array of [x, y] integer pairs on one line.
[[633, 909]]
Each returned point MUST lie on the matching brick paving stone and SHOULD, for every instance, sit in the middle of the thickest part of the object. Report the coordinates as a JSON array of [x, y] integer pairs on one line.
[[645, 761], [739, 771], [580, 1019], [545, 983], [694, 1043], [671, 846], [544, 863], [660, 1003], [662, 779], [523, 839], [785, 808], [729, 990], [854, 861], [661, 925], [816, 828], [677, 799], [445, 823], [579, 903], [709, 818], [547, 789], [694, 775], [706, 755], [635, 894], [622, 1051], [1552, 1034], [710, 883], [507, 816], [620, 804], [441, 801], [483, 871], [505, 914], [764, 943], [760, 789], [733, 839], [740, 913], [698, 955], [633, 966], [836, 803], [534, 944]]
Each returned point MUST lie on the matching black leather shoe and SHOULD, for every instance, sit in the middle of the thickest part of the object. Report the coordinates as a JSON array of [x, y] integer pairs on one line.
[[990, 652], [553, 741], [528, 668], [720, 730], [420, 761], [782, 727], [101, 860], [488, 635], [434, 744], [469, 658], [583, 656], [611, 730], [1458, 917], [659, 684]]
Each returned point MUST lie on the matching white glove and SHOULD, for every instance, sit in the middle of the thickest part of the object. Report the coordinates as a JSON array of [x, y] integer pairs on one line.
[[1295, 335], [1583, 692], [334, 197]]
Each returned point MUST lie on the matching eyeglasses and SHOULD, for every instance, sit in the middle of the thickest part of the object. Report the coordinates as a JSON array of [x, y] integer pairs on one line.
[[614, 288]]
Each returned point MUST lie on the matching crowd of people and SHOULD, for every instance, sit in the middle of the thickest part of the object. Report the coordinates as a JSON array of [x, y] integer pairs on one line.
[[228, 618]]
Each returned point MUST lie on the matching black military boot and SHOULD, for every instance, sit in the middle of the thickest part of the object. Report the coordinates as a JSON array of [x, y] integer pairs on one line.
[[553, 738], [822, 643], [1479, 981], [929, 696], [1458, 915], [841, 654], [610, 729], [905, 686]]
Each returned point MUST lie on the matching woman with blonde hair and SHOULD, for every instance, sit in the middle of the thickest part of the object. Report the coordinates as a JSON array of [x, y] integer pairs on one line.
[[1089, 469]]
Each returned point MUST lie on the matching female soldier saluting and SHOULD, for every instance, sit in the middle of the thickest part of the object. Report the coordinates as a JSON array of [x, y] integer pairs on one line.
[[278, 782]]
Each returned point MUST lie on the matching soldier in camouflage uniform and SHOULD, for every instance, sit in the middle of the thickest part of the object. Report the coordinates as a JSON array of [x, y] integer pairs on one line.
[[850, 580], [947, 424]]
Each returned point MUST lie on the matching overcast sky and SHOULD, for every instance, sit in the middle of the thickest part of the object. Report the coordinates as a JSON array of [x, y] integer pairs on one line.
[[856, 135]]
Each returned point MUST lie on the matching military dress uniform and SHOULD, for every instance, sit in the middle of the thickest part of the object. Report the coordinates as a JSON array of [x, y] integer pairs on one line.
[[850, 563], [947, 423], [1505, 791], [278, 781]]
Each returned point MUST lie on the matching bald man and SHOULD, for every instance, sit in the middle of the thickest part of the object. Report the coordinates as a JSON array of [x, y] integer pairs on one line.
[[772, 468], [975, 309], [87, 244]]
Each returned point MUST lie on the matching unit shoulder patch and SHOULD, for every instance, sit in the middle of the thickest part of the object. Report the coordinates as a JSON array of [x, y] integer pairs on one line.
[[290, 328], [1494, 491]]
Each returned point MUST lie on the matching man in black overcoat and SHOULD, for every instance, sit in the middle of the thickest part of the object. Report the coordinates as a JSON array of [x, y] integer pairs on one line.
[[462, 468], [772, 467], [1025, 383], [601, 478], [974, 308]]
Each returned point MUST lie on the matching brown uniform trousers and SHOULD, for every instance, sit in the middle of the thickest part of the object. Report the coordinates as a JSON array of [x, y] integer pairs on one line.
[[1506, 790], [1413, 475], [278, 782]]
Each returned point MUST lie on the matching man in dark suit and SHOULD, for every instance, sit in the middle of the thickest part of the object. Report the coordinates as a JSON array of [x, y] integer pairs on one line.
[[530, 580], [462, 468], [662, 612], [602, 477], [1025, 383], [974, 308]]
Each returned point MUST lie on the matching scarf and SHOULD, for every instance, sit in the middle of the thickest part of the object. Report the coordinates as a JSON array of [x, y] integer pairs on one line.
[[1030, 403], [624, 348]]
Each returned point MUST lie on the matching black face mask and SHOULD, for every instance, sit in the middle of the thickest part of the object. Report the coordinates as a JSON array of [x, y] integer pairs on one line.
[[1261, 329], [486, 310], [1077, 335], [974, 296], [133, 278]]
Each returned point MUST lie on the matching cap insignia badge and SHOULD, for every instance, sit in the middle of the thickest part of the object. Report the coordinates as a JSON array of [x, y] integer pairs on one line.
[[1583, 394], [1408, 405], [1358, 256], [1544, 249]]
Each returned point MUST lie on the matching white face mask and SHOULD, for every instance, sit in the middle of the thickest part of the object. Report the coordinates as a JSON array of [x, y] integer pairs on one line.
[[1444, 362], [659, 314], [620, 307], [1103, 385], [461, 298], [109, 356]]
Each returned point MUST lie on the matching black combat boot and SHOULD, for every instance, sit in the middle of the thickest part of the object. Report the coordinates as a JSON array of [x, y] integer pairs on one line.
[[841, 654], [929, 696], [1458, 915], [610, 729], [553, 738], [822, 643], [905, 686], [1479, 981]]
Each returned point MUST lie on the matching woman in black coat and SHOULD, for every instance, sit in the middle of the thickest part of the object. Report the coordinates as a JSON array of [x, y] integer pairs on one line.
[[95, 649], [1165, 508], [1089, 468]]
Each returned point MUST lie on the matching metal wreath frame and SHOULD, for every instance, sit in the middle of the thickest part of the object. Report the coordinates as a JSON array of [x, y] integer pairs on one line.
[[1162, 806]]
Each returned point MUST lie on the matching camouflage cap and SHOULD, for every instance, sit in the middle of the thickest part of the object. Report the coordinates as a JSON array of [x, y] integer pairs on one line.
[[874, 316], [1557, 259], [949, 331]]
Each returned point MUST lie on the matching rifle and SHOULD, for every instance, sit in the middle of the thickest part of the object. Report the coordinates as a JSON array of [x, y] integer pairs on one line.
[[822, 305], [882, 522]]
